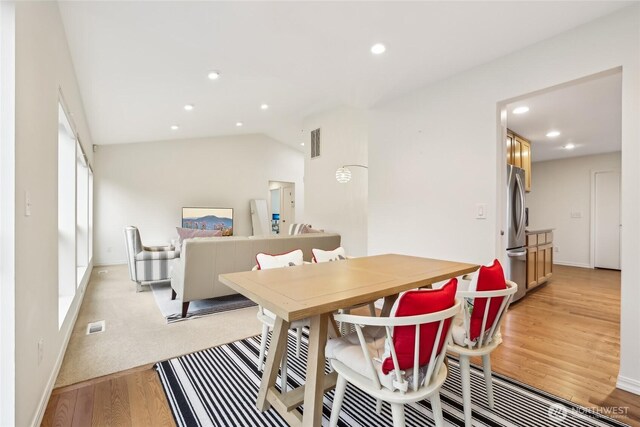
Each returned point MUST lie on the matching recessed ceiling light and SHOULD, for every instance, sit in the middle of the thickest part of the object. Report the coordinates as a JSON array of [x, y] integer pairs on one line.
[[264, 106], [302, 143], [239, 124], [378, 48], [214, 75], [553, 134], [569, 146], [188, 107], [520, 110], [175, 127]]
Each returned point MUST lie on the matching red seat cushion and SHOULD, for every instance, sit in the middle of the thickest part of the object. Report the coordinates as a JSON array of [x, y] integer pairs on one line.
[[414, 303], [490, 278]]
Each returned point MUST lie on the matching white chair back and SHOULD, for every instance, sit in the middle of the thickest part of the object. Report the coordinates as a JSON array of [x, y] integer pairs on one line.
[[436, 357], [488, 331]]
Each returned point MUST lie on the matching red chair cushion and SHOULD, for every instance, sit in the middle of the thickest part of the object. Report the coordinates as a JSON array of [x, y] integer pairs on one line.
[[490, 278], [414, 303]]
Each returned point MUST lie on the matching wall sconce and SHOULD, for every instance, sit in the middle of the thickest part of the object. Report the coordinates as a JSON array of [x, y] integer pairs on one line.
[[343, 174]]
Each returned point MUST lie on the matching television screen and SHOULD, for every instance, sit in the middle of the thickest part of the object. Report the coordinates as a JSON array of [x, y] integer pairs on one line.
[[220, 219]]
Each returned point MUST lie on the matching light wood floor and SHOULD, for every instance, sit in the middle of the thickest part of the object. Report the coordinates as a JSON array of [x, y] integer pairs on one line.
[[562, 338]]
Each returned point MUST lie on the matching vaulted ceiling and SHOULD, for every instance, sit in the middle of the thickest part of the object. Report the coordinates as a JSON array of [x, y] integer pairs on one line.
[[139, 63]]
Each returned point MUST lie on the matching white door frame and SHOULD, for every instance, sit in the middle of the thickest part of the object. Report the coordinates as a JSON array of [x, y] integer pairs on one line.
[[592, 225]]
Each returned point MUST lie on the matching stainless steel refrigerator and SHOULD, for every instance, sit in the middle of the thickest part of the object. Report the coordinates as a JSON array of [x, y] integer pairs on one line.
[[516, 268]]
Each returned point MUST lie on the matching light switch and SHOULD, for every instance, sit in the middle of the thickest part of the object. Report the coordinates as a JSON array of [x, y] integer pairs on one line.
[[481, 211], [27, 203], [576, 214]]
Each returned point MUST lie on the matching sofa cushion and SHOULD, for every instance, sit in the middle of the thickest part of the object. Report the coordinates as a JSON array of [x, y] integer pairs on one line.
[[413, 303], [190, 233], [267, 261], [155, 255], [325, 256]]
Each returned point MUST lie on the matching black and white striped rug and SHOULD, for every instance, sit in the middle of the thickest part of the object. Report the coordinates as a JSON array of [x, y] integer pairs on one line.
[[218, 387]]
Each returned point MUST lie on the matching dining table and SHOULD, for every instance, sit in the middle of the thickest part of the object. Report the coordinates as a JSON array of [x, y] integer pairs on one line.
[[315, 292]]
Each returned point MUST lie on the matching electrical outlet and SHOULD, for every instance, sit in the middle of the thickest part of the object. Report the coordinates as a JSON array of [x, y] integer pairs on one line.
[[40, 350]]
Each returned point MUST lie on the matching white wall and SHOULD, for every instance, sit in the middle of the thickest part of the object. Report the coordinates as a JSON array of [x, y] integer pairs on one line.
[[147, 184], [434, 154], [43, 64], [560, 187], [329, 205]]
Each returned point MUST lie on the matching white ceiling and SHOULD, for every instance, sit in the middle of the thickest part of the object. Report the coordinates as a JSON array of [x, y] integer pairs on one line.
[[587, 114], [139, 63]]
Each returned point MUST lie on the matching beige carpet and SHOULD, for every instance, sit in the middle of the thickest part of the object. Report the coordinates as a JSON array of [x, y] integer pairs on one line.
[[136, 332]]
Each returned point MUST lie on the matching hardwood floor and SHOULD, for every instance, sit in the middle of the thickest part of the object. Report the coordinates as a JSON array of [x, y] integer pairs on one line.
[[563, 338], [130, 398]]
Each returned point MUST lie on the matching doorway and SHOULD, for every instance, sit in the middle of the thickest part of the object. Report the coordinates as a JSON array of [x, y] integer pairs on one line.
[[282, 204], [606, 220]]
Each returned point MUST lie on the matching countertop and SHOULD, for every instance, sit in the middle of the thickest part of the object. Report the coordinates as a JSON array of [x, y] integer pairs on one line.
[[540, 230]]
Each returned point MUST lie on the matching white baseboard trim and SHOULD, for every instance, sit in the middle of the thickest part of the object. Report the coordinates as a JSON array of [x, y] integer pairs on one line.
[[109, 263], [572, 264], [42, 405], [628, 384]]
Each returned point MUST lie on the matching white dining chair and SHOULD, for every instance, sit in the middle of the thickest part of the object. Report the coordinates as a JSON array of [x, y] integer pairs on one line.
[[364, 369], [339, 254], [268, 318], [479, 335]]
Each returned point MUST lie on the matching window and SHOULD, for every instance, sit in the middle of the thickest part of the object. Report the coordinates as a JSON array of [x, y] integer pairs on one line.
[[66, 214], [75, 214]]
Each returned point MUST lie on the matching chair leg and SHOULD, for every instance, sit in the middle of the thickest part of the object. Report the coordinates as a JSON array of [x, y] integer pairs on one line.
[[185, 308], [263, 346], [436, 409], [173, 295], [284, 368], [397, 410], [465, 373], [486, 367], [372, 309], [338, 396], [298, 340]]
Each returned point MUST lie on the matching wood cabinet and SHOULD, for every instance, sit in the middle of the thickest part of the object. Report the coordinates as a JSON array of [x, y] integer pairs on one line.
[[539, 258], [519, 155]]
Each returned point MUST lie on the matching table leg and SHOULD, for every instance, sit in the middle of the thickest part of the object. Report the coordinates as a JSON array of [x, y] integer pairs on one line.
[[388, 304], [314, 383], [276, 351]]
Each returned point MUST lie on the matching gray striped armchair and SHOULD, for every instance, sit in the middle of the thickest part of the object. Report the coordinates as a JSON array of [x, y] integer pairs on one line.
[[147, 263]]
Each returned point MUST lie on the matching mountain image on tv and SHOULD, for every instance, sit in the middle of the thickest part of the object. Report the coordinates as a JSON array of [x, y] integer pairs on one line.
[[220, 220]]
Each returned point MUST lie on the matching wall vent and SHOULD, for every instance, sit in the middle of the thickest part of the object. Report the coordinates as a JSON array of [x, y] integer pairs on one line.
[[315, 143], [95, 327]]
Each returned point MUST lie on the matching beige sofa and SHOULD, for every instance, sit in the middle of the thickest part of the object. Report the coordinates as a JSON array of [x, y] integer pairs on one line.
[[195, 274]]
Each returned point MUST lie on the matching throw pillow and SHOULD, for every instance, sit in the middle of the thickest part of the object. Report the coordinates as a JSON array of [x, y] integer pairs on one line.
[[413, 303], [268, 261], [337, 254], [487, 278], [190, 233]]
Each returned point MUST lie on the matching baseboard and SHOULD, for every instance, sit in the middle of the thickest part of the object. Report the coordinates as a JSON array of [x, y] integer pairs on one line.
[[109, 263], [42, 406], [572, 264], [628, 384]]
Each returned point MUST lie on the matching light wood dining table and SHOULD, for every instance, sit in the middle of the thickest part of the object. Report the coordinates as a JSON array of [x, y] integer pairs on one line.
[[316, 291]]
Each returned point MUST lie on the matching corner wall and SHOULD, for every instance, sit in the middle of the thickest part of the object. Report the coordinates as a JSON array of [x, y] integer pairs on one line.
[[329, 205], [147, 184], [434, 154], [43, 67]]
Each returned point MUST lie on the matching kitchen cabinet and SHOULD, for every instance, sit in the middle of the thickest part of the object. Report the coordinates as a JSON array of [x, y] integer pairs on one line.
[[519, 155], [539, 257]]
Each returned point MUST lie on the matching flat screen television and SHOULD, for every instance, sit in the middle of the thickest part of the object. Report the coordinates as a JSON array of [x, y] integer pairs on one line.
[[220, 219]]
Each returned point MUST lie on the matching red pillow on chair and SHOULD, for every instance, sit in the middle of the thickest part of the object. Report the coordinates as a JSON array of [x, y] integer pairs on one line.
[[414, 303], [489, 278]]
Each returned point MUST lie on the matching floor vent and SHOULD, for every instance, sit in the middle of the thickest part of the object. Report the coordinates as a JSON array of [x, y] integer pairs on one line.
[[103, 271], [95, 327]]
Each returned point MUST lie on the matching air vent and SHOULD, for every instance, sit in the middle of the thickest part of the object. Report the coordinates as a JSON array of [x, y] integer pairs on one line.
[[95, 327], [315, 143]]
